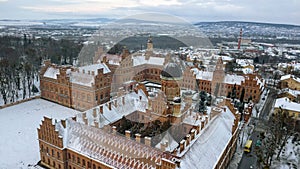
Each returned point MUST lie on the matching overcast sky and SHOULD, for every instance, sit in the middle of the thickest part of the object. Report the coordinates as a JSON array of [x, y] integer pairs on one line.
[[271, 11]]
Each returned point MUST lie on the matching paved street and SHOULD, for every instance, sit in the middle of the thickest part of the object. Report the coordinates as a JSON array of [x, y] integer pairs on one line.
[[249, 160], [268, 104]]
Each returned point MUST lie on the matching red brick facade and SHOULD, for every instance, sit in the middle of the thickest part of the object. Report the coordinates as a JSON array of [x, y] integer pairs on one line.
[[61, 89]]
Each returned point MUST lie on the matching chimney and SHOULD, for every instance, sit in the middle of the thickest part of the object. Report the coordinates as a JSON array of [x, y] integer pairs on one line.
[[89, 72], [202, 124], [188, 139], [148, 141], [123, 100], [85, 120], [109, 105], [63, 122], [114, 129], [182, 145], [137, 137], [163, 146], [83, 115], [96, 124], [127, 134], [116, 103], [74, 118], [193, 134], [94, 112], [101, 109]]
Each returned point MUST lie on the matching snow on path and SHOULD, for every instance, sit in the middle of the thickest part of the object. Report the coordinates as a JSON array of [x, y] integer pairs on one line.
[[18, 131]]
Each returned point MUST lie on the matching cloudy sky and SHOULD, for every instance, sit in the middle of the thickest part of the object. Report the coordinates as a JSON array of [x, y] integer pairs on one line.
[[272, 11]]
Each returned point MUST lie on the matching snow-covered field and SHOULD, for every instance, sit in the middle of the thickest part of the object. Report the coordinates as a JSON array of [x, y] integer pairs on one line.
[[19, 147], [289, 157]]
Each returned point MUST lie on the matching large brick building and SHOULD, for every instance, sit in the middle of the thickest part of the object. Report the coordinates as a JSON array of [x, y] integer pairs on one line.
[[77, 87], [147, 66], [91, 140], [219, 83]]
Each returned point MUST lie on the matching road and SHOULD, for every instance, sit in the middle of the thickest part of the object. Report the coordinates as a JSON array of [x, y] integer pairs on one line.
[[268, 104], [249, 160]]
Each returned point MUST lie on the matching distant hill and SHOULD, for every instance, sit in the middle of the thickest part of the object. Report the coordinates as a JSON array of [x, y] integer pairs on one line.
[[241, 23]]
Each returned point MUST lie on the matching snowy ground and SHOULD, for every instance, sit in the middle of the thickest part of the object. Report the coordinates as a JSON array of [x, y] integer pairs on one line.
[[18, 129], [289, 157]]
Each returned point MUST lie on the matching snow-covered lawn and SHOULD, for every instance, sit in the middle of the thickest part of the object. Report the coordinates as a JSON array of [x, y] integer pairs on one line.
[[289, 157], [18, 130]]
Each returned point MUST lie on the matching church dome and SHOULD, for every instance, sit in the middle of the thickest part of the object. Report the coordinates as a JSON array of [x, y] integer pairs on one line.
[[171, 70]]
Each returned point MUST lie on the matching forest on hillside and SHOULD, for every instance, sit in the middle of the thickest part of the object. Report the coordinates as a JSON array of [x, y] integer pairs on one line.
[[21, 59]]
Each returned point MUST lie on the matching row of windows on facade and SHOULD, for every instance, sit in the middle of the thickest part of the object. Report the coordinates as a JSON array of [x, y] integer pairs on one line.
[[150, 78], [55, 89], [58, 156], [56, 98], [46, 150], [223, 86], [81, 162], [52, 87], [48, 161]]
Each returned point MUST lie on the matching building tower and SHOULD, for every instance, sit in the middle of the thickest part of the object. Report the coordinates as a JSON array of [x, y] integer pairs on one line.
[[149, 44], [218, 77], [149, 50], [170, 77]]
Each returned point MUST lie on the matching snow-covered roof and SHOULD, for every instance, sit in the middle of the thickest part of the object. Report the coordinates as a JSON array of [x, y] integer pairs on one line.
[[194, 118], [285, 77], [109, 149], [85, 75], [247, 71], [234, 79], [260, 82], [118, 109], [244, 62], [169, 141], [227, 58], [140, 60], [95, 68], [210, 144], [82, 79], [286, 104], [204, 75], [51, 72], [290, 91]]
